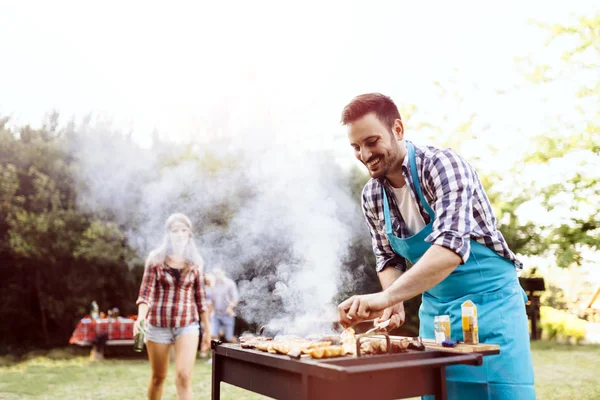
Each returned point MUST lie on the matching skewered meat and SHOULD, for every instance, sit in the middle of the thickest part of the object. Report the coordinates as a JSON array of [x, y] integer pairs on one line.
[[294, 346], [379, 346], [348, 340], [249, 338], [250, 342], [326, 352]]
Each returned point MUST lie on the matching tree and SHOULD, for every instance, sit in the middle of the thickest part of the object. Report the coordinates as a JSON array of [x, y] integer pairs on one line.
[[574, 141], [46, 284]]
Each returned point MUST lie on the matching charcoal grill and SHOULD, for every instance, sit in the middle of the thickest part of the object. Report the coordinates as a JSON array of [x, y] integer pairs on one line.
[[389, 376]]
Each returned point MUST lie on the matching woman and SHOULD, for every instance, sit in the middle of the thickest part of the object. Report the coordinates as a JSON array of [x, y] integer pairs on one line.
[[171, 302]]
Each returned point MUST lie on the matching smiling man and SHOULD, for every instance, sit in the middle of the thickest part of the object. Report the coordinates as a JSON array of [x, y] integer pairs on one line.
[[426, 205]]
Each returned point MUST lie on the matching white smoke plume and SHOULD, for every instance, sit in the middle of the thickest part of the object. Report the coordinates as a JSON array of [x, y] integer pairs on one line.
[[288, 214]]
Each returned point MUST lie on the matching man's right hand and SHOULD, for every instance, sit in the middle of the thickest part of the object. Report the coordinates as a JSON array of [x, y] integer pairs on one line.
[[395, 314], [137, 325], [229, 311], [362, 308]]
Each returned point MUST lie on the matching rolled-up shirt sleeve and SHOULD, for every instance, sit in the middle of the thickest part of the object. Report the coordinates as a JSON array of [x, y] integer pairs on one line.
[[147, 287], [451, 179], [384, 254]]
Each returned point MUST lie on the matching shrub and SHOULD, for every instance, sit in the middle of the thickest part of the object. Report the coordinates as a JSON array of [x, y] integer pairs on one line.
[[557, 324]]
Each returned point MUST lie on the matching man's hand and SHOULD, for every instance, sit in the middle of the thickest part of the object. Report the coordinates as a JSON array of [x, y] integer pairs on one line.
[[229, 310], [206, 339], [362, 308], [395, 314]]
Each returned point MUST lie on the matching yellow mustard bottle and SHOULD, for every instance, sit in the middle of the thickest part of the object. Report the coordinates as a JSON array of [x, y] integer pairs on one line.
[[469, 322]]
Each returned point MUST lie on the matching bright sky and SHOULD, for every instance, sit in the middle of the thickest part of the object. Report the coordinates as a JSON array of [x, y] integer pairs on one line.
[[278, 67]]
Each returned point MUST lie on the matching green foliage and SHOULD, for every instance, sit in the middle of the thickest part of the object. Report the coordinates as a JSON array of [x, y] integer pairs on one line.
[[104, 243], [554, 297], [557, 324], [575, 145], [42, 292]]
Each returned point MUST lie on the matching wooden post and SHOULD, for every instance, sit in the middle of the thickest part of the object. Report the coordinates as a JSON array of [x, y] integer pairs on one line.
[[533, 286], [535, 317]]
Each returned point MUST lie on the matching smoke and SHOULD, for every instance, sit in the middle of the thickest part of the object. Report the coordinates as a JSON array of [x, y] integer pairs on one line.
[[305, 203], [278, 220]]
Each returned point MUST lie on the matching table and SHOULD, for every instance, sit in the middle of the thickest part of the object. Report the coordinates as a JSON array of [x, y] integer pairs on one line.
[[119, 332]]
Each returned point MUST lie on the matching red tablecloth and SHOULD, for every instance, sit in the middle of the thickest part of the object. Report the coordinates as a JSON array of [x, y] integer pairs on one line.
[[87, 329]]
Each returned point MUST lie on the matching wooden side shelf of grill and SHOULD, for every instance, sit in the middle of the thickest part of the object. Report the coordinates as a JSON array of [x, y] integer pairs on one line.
[[482, 348]]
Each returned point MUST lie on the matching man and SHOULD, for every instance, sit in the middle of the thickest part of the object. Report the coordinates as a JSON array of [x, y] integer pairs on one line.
[[426, 205], [224, 296]]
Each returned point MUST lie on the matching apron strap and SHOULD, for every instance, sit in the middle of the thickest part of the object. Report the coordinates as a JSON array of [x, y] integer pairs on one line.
[[413, 171], [415, 176], [386, 213]]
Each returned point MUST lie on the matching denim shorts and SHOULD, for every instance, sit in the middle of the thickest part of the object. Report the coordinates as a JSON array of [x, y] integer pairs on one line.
[[168, 335]]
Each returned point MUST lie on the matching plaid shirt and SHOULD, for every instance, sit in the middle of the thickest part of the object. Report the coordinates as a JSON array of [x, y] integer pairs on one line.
[[172, 304], [453, 190]]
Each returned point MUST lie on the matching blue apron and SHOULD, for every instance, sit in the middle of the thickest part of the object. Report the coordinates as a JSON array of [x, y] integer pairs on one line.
[[490, 281]]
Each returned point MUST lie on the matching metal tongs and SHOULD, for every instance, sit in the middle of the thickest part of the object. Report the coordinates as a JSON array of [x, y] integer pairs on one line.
[[378, 327]]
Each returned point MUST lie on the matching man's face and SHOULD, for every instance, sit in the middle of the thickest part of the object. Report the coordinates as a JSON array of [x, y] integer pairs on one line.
[[374, 145]]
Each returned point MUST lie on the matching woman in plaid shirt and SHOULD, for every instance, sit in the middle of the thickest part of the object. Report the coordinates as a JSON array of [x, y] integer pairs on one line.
[[426, 205], [171, 300]]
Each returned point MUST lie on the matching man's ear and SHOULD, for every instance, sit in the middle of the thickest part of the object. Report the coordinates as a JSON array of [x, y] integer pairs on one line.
[[398, 129]]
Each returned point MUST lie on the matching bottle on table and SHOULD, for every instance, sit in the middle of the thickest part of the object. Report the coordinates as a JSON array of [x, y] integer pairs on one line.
[[470, 325], [441, 328], [94, 311]]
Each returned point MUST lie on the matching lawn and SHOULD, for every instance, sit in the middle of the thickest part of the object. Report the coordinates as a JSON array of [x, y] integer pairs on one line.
[[562, 372]]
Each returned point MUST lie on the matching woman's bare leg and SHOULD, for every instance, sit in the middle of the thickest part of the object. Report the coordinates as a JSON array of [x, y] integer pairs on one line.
[[186, 346], [159, 361]]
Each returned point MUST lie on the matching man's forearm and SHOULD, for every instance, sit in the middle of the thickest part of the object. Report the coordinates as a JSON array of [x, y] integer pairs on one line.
[[388, 275], [435, 265]]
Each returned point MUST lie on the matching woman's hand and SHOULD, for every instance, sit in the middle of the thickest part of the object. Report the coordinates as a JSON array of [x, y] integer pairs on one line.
[[362, 308], [137, 325]]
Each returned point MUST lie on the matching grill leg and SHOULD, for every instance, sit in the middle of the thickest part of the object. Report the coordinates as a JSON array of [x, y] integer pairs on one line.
[[216, 377], [441, 392]]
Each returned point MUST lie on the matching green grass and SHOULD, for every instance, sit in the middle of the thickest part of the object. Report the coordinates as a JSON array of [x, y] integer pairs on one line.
[[68, 374], [566, 371], [562, 372]]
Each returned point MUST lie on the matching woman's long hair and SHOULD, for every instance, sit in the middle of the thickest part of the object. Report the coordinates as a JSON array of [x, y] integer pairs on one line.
[[190, 254]]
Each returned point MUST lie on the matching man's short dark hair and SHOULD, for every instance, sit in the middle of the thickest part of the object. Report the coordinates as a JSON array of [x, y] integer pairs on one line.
[[384, 108]]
